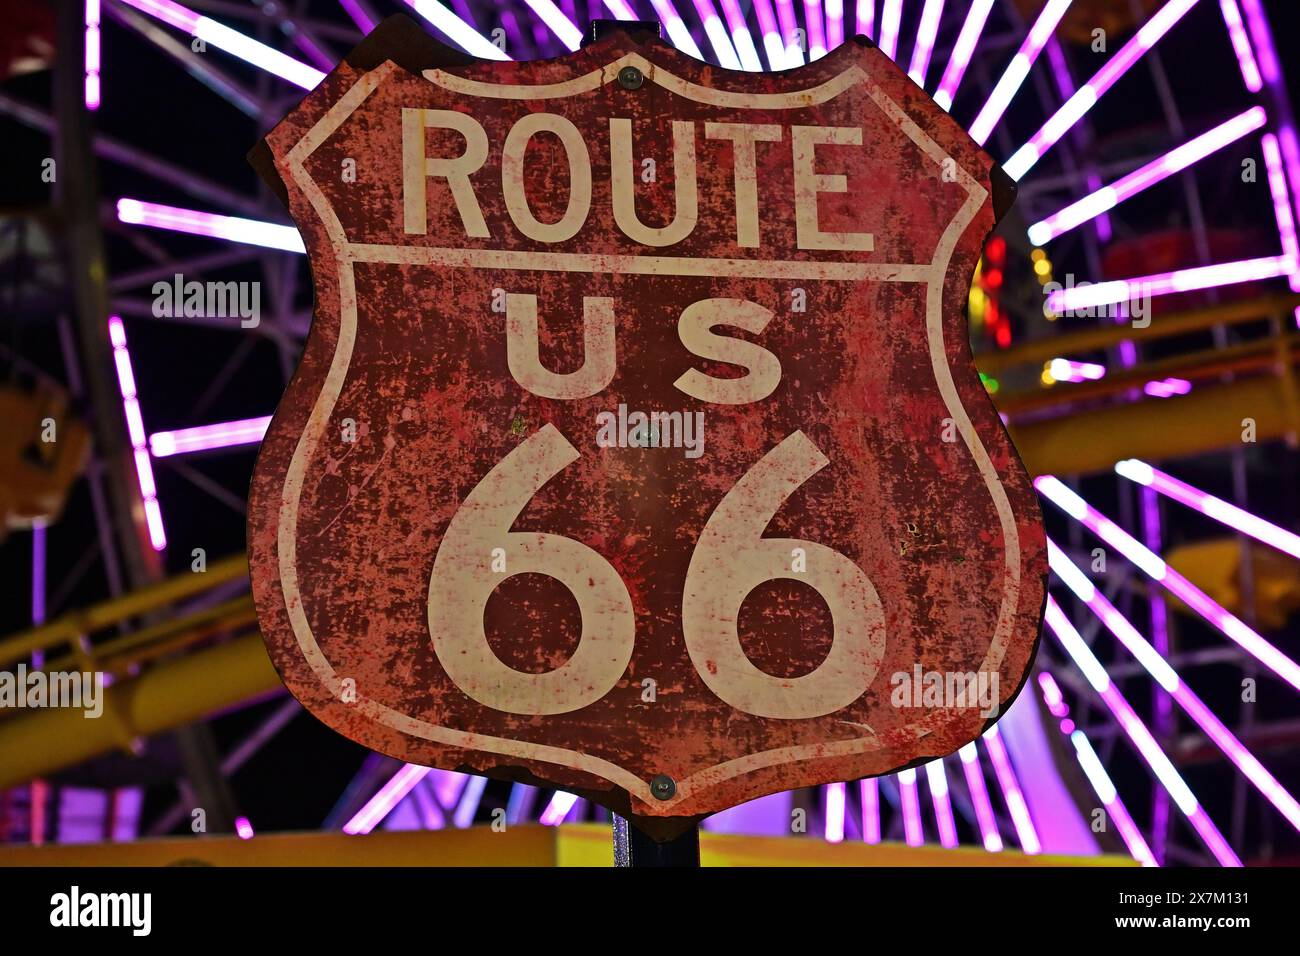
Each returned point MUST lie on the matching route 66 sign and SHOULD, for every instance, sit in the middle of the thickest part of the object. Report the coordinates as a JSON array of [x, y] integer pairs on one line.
[[637, 448]]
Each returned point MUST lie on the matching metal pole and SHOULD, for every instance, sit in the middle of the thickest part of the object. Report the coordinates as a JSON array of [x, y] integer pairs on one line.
[[633, 848]]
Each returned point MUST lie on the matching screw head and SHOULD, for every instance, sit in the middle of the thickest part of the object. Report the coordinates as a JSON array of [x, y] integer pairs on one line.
[[663, 787], [630, 78]]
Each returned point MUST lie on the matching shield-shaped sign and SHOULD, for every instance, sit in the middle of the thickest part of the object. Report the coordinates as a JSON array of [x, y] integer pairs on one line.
[[637, 448]]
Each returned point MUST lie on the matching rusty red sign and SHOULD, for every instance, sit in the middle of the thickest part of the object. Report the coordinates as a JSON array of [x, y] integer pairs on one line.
[[637, 448]]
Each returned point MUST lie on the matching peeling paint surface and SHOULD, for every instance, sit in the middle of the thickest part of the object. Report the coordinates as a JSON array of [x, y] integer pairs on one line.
[[407, 350]]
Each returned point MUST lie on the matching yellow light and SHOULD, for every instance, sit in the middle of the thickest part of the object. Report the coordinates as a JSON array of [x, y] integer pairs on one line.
[[1038, 255], [1047, 378], [1043, 268]]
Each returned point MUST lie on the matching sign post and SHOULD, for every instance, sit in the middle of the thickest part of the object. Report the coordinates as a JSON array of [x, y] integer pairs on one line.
[[637, 448]]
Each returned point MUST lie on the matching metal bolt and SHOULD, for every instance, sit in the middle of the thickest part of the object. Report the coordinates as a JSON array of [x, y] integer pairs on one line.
[[630, 78], [663, 786]]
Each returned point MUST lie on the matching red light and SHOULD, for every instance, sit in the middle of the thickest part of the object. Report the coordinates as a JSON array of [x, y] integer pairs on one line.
[[993, 278], [997, 249]]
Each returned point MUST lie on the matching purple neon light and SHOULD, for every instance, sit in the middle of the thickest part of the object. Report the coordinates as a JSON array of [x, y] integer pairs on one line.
[[938, 781], [1262, 38], [1108, 197], [864, 16], [926, 34], [1150, 564], [244, 828], [1090, 295], [962, 52], [457, 30], [741, 38], [470, 798], [834, 23], [1241, 45], [358, 15], [231, 228], [1014, 75], [789, 33], [1138, 847], [1052, 695], [1207, 504], [675, 27], [232, 41], [620, 9], [557, 21], [870, 793], [1138, 733], [1164, 675], [979, 796], [135, 432], [1286, 225], [390, 795], [717, 34], [1011, 793], [92, 55], [559, 807], [891, 19], [1167, 387], [812, 18], [1150, 33], [773, 44], [38, 574], [184, 441], [836, 800], [913, 832]]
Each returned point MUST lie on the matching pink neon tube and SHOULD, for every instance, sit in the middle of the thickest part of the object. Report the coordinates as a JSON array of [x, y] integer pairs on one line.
[[741, 38], [836, 799], [773, 44], [979, 796], [911, 800], [1138, 733], [1108, 197], [231, 228], [1074, 109], [1011, 793], [717, 34], [1241, 45], [1156, 569], [1096, 773], [1168, 678], [185, 441], [1089, 296], [891, 18], [233, 42], [926, 34], [870, 792], [864, 16], [135, 434], [962, 52], [390, 795], [938, 781], [1207, 504], [1014, 76]]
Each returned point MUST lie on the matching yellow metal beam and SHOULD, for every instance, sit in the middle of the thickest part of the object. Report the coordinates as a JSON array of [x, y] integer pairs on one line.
[[170, 694], [1109, 335], [585, 845], [151, 597], [1204, 420]]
